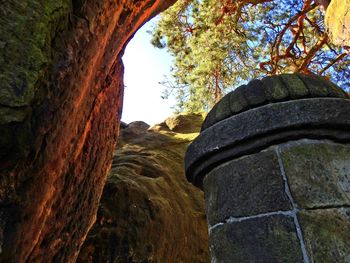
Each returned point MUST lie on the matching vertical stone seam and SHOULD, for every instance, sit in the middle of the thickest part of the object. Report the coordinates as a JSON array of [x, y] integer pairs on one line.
[[294, 205]]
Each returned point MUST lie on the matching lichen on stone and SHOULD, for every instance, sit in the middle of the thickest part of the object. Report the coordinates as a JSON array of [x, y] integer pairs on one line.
[[317, 172], [27, 29], [326, 234]]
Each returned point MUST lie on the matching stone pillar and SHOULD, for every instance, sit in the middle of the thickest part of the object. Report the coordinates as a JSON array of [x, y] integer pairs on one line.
[[273, 159]]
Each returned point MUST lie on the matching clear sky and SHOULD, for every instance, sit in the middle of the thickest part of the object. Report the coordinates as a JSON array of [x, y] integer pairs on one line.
[[145, 66]]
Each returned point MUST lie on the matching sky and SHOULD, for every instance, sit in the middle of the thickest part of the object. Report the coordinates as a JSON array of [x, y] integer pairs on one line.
[[145, 66]]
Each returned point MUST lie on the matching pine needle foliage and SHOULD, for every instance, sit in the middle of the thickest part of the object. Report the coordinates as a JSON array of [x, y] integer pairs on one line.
[[219, 44]]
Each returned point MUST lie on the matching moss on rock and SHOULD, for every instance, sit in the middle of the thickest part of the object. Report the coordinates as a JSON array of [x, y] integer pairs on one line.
[[266, 239], [326, 234], [26, 33], [317, 173]]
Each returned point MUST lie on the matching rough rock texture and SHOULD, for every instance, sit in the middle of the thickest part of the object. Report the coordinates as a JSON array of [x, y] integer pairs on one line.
[[148, 211], [261, 188], [326, 234], [337, 21], [318, 174], [258, 128], [263, 240], [60, 98], [185, 123], [248, 225]]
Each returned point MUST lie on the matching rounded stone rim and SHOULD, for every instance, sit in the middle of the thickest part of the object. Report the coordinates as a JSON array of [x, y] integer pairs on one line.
[[316, 118], [271, 89]]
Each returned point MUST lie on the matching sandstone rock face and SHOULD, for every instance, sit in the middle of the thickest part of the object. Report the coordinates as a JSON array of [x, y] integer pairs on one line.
[[60, 99], [185, 123], [337, 21], [148, 212]]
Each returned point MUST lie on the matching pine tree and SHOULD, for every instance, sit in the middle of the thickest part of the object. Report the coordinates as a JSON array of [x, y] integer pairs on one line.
[[219, 44]]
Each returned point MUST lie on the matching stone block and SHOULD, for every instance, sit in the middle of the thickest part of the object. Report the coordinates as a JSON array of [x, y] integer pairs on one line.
[[295, 85], [222, 110], [238, 102], [327, 234], [275, 88], [254, 92], [261, 240], [318, 173], [246, 186]]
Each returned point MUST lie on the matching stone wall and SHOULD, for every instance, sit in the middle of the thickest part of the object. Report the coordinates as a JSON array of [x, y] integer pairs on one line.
[[289, 203]]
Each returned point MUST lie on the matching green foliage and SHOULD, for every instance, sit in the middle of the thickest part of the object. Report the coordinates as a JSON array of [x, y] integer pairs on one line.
[[217, 45]]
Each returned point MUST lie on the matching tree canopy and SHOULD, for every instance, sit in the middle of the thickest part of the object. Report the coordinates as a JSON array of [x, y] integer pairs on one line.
[[219, 44]]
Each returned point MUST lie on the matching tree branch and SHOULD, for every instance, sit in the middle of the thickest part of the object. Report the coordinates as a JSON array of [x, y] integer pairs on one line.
[[338, 58], [312, 53]]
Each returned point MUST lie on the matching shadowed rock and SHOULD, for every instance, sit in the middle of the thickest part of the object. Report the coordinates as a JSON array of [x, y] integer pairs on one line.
[[61, 86], [148, 211]]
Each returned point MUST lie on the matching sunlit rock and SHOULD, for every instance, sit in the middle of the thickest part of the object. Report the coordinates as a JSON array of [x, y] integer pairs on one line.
[[337, 21]]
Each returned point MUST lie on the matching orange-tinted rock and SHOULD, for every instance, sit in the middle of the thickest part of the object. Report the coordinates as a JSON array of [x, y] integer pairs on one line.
[[148, 211], [61, 90]]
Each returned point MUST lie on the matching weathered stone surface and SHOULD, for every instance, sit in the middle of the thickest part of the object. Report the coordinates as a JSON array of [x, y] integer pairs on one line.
[[148, 211], [326, 234], [255, 93], [295, 86], [221, 109], [337, 21], [246, 186], [271, 89], [185, 123], [14, 115], [275, 89], [60, 100], [318, 173], [238, 102], [261, 240], [322, 115], [27, 29], [273, 167]]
